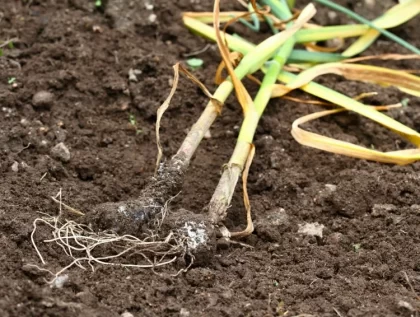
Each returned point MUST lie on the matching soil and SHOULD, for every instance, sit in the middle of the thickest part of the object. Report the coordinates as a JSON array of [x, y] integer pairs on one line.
[[367, 262]]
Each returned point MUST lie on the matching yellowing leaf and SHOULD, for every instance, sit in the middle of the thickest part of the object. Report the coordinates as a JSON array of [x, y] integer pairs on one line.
[[241, 93], [324, 143], [397, 15], [207, 17], [396, 57], [383, 76], [345, 102]]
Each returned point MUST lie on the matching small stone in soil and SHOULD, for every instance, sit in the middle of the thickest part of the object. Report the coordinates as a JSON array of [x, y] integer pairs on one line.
[[61, 152], [127, 314], [152, 18], [331, 187], [131, 75], [60, 281], [184, 313], [332, 15], [415, 209], [42, 99], [405, 305], [370, 3], [25, 122], [15, 167]]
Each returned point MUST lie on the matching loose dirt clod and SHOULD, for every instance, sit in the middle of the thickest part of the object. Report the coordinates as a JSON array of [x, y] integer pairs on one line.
[[311, 229], [61, 152]]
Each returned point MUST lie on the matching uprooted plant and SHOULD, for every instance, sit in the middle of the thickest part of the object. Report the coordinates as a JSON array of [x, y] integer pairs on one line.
[[305, 60], [144, 228]]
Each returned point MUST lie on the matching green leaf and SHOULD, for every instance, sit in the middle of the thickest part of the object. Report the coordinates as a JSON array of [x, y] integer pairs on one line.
[[357, 247], [132, 120], [195, 63], [405, 102]]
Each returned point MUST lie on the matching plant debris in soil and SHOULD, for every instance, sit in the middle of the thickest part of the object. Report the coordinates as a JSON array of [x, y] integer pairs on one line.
[[68, 98]]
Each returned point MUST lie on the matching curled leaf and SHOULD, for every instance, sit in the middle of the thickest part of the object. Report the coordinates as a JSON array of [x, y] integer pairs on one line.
[[379, 75], [346, 102], [324, 103], [247, 204], [396, 57], [316, 48], [241, 93], [235, 58], [314, 140]]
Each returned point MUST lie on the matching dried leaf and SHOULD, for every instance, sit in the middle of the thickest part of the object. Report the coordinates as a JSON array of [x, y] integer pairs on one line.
[[316, 48], [382, 57], [247, 204], [324, 143], [379, 75], [161, 110], [241, 93], [235, 58]]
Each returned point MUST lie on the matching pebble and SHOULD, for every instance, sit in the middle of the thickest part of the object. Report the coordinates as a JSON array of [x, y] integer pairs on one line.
[[331, 187], [370, 3], [25, 122], [15, 167], [332, 15], [406, 305], [42, 99], [184, 313], [60, 281], [127, 314], [61, 152], [131, 75], [152, 18], [415, 209], [43, 144], [148, 5]]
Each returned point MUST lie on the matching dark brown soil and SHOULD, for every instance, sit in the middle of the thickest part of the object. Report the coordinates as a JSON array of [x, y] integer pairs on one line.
[[366, 264]]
